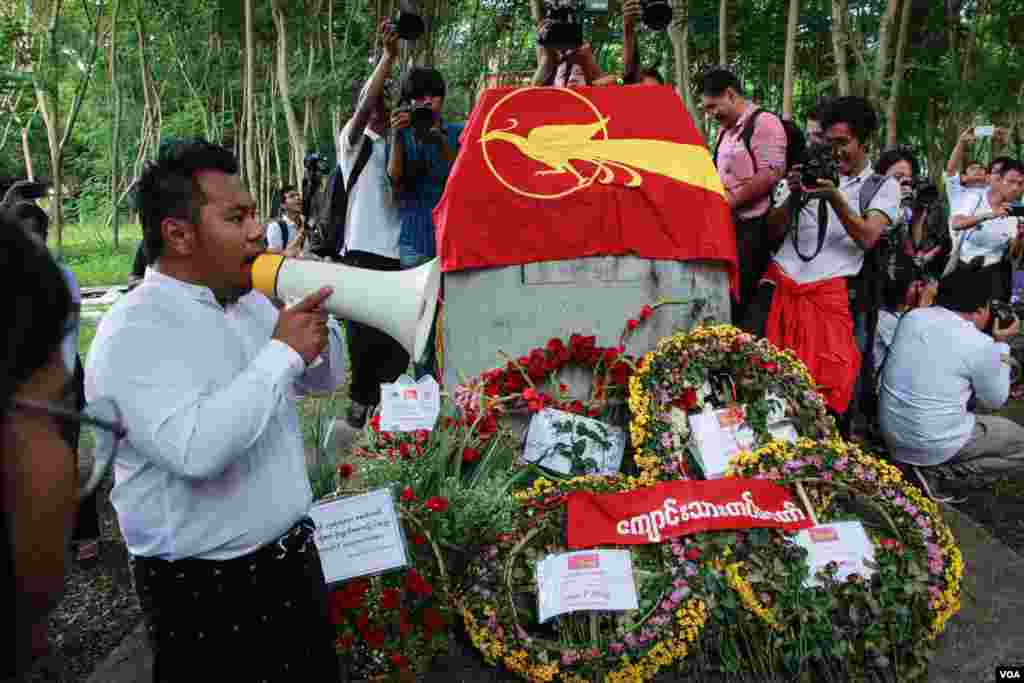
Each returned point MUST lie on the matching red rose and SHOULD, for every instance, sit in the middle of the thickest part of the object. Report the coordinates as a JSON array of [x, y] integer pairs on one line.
[[363, 622], [890, 544], [620, 374], [610, 356], [593, 412], [488, 426], [404, 627], [433, 620], [403, 449], [555, 346], [345, 470], [514, 382], [470, 455], [421, 435], [390, 598], [493, 388], [419, 539], [632, 324], [350, 596], [374, 638], [345, 641], [417, 584], [407, 495], [399, 661], [646, 312], [692, 553], [375, 423], [689, 398], [576, 407], [530, 394], [437, 504]]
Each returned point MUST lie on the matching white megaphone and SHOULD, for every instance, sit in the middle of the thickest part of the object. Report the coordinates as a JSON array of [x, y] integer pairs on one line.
[[399, 303]]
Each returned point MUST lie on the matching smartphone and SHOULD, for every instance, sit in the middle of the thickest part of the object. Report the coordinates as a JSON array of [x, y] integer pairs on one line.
[[984, 131]]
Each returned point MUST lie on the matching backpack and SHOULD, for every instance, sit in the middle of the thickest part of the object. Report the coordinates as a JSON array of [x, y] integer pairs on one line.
[[795, 140], [286, 235], [326, 234]]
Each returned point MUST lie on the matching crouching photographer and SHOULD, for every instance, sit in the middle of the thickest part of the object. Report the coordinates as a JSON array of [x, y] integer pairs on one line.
[[939, 358]]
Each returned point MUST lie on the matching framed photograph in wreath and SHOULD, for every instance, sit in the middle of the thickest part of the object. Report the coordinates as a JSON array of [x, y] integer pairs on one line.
[[572, 444]]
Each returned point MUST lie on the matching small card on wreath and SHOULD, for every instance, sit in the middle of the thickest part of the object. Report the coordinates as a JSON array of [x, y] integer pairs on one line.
[[407, 405], [588, 580], [573, 444], [719, 434], [359, 536], [845, 543]]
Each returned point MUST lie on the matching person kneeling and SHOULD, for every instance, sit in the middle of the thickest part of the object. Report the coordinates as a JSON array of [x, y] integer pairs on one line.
[[939, 357]]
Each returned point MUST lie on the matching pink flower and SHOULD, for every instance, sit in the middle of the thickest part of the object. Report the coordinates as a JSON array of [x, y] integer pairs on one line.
[[631, 640], [667, 605], [679, 584], [569, 657], [616, 648], [521, 633], [679, 594]]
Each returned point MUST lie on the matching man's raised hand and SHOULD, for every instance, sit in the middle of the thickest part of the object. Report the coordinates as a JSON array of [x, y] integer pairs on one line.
[[389, 39], [632, 10], [304, 325]]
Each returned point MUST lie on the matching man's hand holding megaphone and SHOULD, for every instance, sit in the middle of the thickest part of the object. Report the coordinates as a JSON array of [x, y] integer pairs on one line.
[[303, 326]]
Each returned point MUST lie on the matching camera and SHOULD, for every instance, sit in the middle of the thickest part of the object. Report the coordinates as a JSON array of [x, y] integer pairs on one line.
[[408, 24], [1004, 314], [819, 163], [657, 14], [315, 163], [24, 190], [1016, 209], [563, 30], [923, 194]]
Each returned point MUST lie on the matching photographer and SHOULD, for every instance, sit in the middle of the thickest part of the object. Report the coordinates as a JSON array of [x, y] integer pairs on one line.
[[423, 151], [748, 173], [921, 208], [372, 230], [939, 358], [905, 289], [286, 235], [803, 302], [984, 229]]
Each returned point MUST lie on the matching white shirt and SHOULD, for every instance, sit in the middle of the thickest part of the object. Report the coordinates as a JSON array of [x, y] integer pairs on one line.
[[275, 236], [955, 191], [936, 360], [213, 465], [887, 322], [372, 223], [69, 345], [841, 256], [988, 239]]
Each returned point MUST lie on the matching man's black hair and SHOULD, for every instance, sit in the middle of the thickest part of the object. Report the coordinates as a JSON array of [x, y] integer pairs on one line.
[[652, 72], [1000, 162], [893, 156], [32, 218], [856, 112], [902, 274], [421, 81], [1011, 164], [965, 290], [718, 79], [815, 113], [168, 188]]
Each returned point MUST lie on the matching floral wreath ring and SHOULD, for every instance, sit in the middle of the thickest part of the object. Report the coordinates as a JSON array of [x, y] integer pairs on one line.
[[829, 468], [631, 646], [672, 380]]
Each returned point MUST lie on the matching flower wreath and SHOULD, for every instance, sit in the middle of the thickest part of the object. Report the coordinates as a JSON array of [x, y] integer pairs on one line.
[[499, 611], [916, 587], [396, 623], [675, 376]]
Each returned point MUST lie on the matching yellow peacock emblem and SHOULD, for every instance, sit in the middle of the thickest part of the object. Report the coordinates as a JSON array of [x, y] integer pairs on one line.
[[560, 147]]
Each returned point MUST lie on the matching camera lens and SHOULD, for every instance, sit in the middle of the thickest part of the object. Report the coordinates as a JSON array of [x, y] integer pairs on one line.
[[657, 14]]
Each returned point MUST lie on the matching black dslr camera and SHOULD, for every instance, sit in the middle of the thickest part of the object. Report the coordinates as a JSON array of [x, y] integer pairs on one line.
[[316, 164], [408, 24], [923, 194], [819, 163], [1016, 209], [657, 14], [563, 29], [1004, 313]]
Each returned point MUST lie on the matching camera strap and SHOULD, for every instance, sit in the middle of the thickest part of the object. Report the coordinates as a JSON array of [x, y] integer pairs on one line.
[[822, 230]]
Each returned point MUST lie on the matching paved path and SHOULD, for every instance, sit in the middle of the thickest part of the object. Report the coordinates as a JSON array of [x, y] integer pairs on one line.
[[989, 630]]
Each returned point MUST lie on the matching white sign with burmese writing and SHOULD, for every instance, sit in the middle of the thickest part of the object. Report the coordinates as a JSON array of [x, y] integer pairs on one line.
[[359, 535], [407, 406], [589, 580], [845, 543]]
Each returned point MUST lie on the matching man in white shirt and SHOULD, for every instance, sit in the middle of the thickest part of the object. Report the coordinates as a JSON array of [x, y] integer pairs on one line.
[[965, 177], [288, 230], [805, 290], [211, 488], [938, 359], [983, 228], [372, 228]]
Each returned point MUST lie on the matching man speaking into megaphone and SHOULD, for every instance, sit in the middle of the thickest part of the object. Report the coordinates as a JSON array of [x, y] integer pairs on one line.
[[211, 487]]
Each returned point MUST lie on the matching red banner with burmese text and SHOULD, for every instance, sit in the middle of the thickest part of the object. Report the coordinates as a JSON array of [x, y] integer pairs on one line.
[[559, 173], [680, 508]]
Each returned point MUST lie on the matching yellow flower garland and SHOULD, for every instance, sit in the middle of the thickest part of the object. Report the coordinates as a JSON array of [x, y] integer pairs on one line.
[[743, 588]]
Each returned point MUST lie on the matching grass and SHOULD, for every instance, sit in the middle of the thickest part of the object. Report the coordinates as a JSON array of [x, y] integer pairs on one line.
[[89, 252]]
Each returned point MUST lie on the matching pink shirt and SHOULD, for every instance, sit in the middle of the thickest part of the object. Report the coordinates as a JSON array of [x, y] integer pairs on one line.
[[736, 168]]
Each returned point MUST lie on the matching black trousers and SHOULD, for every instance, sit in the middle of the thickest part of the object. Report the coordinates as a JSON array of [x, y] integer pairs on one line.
[[374, 357], [754, 253], [259, 617]]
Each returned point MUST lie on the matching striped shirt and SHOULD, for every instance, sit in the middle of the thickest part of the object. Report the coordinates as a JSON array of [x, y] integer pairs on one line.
[[416, 204]]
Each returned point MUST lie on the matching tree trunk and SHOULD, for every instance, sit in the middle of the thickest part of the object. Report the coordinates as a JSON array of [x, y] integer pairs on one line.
[[249, 104], [27, 151], [115, 135], [679, 34], [840, 43], [892, 105], [885, 25], [298, 142], [790, 67], [723, 32]]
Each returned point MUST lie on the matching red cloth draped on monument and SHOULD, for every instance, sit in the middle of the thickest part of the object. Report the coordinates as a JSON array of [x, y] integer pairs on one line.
[[559, 173]]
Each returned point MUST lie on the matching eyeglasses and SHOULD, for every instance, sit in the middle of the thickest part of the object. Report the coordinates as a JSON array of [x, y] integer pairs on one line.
[[100, 430]]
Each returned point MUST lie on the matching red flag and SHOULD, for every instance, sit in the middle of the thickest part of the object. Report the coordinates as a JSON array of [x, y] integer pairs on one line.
[[559, 173], [680, 508]]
